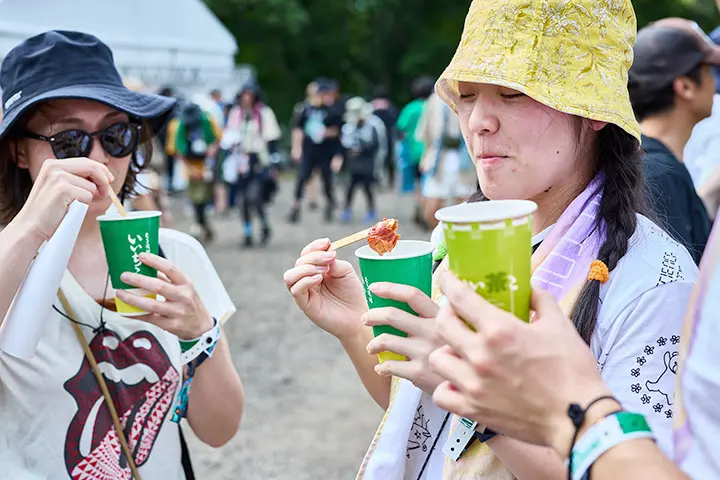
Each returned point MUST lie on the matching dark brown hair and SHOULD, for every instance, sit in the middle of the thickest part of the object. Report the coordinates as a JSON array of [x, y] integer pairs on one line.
[[620, 159], [15, 182], [650, 103]]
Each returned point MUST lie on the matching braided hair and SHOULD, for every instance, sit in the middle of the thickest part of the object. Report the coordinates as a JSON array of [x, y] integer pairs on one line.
[[620, 158]]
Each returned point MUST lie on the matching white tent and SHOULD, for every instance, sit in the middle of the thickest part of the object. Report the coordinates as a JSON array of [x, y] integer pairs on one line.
[[161, 42]]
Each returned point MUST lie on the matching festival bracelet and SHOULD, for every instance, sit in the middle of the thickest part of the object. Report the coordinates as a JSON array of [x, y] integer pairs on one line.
[[460, 439], [191, 349], [608, 433], [202, 348]]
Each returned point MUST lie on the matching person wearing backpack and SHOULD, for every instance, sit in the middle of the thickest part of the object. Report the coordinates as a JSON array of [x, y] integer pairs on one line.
[[251, 138], [362, 142], [195, 141]]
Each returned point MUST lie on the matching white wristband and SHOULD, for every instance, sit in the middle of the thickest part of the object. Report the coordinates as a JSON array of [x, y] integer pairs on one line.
[[457, 443], [204, 343], [604, 435]]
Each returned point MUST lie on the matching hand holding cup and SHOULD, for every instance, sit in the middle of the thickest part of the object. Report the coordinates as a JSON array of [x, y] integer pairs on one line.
[[516, 378], [182, 312], [422, 338]]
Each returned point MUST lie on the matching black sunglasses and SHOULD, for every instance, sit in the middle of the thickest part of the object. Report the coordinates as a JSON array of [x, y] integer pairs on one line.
[[118, 140]]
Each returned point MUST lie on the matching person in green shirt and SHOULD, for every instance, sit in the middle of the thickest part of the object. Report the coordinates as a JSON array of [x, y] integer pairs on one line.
[[412, 149], [195, 141]]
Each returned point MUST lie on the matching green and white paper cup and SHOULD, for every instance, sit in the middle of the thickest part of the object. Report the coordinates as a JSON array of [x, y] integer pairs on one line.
[[409, 263], [124, 239], [489, 245]]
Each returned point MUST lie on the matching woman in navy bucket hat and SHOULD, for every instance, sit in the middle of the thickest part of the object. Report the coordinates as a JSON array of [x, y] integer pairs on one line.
[[71, 131]]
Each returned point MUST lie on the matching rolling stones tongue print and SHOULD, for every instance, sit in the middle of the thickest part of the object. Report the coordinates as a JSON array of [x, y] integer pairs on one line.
[[142, 382]]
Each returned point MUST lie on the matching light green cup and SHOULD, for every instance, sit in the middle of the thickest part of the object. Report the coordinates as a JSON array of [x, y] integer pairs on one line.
[[489, 245], [124, 239], [409, 263]]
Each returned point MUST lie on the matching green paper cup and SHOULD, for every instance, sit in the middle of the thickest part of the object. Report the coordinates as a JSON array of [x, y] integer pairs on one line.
[[124, 239], [489, 245], [409, 263]]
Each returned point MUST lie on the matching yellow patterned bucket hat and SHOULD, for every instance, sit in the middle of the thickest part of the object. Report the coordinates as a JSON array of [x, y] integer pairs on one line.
[[571, 55]]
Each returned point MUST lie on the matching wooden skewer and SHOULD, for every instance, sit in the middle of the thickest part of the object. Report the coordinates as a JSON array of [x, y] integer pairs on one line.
[[118, 203], [350, 239]]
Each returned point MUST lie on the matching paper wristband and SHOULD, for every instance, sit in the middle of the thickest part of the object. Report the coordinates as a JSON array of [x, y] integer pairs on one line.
[[191, 349], [604, 435], [459, 440]]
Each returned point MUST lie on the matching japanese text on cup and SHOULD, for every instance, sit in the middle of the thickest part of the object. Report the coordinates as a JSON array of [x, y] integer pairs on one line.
[[136, 247]]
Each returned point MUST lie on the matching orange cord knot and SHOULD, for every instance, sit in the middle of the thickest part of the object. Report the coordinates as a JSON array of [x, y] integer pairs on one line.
[[599, 271]]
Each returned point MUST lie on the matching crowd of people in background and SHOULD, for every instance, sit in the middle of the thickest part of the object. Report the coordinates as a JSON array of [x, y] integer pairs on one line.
[[227, 155], [230, 153], [220, 155]]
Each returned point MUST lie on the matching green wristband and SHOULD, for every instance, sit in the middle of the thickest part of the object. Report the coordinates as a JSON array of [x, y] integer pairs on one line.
[[604, 435]]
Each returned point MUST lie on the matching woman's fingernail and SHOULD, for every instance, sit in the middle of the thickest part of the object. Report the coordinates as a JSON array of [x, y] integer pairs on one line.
[[321, 269], [125, 276]]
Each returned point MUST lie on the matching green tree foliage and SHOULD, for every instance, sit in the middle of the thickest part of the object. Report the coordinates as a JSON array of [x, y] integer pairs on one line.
[[363, 43]]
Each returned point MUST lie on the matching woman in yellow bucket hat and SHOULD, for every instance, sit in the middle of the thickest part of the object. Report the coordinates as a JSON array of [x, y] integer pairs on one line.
[[540, 89]]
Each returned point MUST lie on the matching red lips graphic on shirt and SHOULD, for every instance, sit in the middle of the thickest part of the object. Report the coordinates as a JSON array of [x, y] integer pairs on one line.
[[142, 382]]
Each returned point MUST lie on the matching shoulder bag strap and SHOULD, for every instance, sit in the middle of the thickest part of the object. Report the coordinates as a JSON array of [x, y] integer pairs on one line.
[[103, 387], [184, 450]]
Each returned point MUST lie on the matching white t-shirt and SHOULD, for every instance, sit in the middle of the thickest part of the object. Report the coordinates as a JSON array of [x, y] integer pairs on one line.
[[699, 430], [55, 422], [637, 334], [702, 151]]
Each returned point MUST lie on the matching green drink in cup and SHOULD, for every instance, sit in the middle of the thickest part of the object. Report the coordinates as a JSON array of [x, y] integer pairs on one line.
[[124, 239], [489, 245], [409, 263]]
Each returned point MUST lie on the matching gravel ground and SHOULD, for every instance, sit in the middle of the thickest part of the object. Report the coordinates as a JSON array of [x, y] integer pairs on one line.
[[307, 415]]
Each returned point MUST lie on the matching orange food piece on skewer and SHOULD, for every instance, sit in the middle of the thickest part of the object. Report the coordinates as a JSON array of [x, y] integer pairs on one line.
[[383, 236]]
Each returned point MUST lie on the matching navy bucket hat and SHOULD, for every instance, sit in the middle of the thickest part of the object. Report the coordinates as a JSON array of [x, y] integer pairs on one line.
[[71, 65]]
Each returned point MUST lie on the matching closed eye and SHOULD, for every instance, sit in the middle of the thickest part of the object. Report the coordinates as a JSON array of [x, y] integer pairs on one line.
[[512, 95], [464, 96]]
